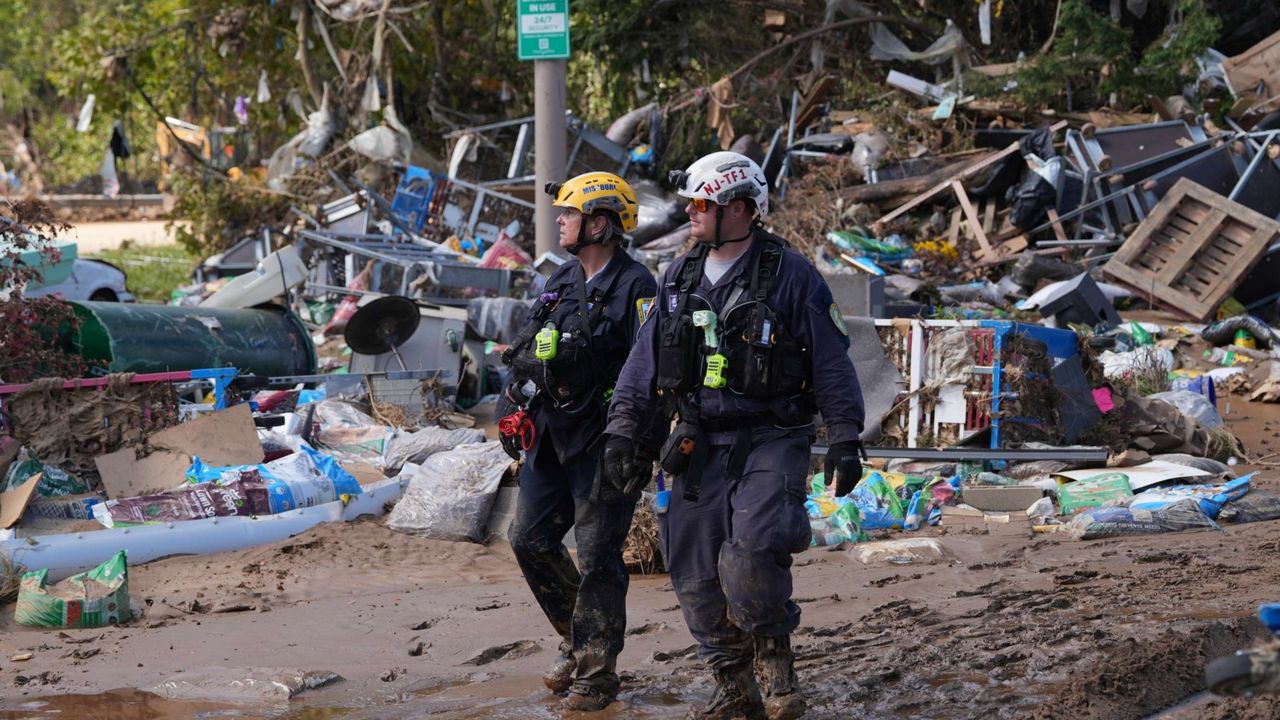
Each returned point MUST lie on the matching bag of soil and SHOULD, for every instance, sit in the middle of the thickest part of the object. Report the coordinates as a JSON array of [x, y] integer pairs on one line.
[[1254, 507], [1121, 521], [244, 496]]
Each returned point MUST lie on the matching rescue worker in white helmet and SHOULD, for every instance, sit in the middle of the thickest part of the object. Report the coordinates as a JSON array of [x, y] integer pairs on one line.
[[745, 345], [563, 368]]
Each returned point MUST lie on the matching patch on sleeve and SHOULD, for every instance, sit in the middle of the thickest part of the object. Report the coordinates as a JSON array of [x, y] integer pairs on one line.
[[644, 308], [838, 318]]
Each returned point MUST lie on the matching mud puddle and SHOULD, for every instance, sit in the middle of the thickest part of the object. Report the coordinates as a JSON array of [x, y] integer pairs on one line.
[[496, 698]]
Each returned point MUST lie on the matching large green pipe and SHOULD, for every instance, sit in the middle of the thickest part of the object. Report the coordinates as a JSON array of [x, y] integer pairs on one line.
[[128, 337]]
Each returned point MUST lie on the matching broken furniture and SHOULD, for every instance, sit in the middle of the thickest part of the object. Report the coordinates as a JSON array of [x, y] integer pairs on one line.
[[1193, 250], [1100, 154]]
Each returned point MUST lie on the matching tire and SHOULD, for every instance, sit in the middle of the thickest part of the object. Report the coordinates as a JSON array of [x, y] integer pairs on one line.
[[103, 295], [1231, 675]]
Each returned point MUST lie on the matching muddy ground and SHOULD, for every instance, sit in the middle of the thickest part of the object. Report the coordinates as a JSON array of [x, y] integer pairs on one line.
[[1005, 626]]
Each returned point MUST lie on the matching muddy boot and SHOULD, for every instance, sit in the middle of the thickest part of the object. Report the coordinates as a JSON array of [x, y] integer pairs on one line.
[[775, 669], [559, 676], [585, 697], [736, 697]]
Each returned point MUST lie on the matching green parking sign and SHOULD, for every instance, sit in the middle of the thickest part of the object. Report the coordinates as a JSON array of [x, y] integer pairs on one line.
[[542, 29]]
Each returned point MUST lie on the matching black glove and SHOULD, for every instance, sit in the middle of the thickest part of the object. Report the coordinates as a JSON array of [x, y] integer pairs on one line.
[[844, 465], [620, 464], [511, 445]]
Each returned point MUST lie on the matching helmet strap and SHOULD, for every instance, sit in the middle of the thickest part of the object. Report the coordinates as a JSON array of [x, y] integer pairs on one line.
[[584, 239], [720, 242]]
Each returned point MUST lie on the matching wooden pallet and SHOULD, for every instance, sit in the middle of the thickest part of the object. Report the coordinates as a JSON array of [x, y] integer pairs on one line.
[[1192, 251]]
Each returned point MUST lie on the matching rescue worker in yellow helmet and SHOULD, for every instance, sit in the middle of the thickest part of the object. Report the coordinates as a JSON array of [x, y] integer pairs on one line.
[[563, 368]]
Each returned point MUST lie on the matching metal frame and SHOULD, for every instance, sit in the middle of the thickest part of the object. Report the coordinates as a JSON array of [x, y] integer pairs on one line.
[[577, 127], [414, 260], [1087, 152]]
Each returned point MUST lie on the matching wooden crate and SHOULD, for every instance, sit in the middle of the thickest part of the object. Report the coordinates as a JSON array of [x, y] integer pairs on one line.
[[1192, 251]]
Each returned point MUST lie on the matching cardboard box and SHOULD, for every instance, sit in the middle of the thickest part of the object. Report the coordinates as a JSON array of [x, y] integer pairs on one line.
[[227, 437], [1001, 498]]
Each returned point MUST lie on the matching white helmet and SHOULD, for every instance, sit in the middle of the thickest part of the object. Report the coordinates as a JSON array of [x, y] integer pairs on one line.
[[721, 177]]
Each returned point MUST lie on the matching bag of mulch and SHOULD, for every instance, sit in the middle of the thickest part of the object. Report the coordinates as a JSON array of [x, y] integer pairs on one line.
[[1106, 522], [450, 496], [246, 495], [91, 599], [1254, 507]]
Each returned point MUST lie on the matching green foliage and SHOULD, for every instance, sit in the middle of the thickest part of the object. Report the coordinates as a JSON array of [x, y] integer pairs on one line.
[[1170, 61], [154, 272], [31, 329], [215, 212], [1090, 54]]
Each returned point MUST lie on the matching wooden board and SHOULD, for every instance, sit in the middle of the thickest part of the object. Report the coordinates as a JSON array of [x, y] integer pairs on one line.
[[1260, 62], [947, 184], [1192, 251]]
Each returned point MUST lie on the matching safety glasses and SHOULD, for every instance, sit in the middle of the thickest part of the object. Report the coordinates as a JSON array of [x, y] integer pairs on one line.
[[700, 204]]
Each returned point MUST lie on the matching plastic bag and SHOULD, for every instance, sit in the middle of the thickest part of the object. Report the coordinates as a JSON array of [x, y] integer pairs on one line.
[[499, 319], [1031, 200], [880, 506], [1120, 521], [381, 144], [841, 526], [450, 496], [1256, 506], [889, 250], [1193, 405], [54, 483], [415, 447], [333, 414], [91, 599], [303, 479], [1143, 359], [1224, 332], [247, 495], [1210, 497], [1094, 491], [1208, 465], [367, 444]]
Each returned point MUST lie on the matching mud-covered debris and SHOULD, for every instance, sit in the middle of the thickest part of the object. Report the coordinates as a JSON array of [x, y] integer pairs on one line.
[[510, 651]]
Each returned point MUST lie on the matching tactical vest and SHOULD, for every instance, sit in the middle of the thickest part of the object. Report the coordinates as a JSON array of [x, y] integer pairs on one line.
[[762, 358], [570, 381]]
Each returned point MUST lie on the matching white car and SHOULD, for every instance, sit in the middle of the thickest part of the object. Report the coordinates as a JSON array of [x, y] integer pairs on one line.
[[96, 280]]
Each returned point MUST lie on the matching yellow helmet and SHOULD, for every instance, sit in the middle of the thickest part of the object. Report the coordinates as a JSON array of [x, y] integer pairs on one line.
[[593, 191]]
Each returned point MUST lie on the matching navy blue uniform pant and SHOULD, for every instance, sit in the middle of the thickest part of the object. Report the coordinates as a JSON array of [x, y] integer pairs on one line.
[[586, 603], [729, 552]]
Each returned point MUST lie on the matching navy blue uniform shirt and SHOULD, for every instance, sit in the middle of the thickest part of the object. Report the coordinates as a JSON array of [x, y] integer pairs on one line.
[[802, 299], [611, 339]]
